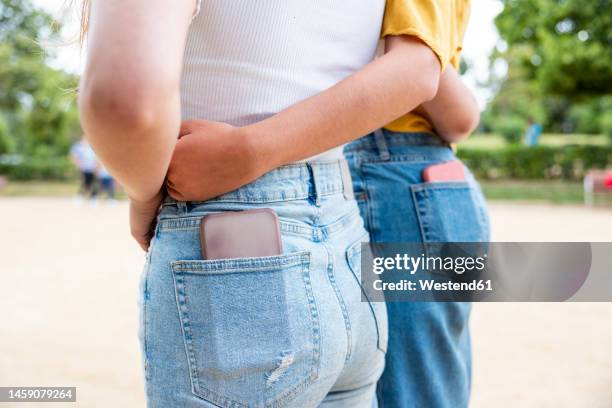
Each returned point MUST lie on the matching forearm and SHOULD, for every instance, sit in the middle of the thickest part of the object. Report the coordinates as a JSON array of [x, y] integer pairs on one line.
[[454, 111], [405, 77]]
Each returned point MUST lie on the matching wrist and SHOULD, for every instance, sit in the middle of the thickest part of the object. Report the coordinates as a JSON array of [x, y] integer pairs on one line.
[[139, 202], [260, 154]]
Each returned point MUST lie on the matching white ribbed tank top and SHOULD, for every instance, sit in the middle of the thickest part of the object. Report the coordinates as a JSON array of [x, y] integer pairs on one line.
[[246, 60]]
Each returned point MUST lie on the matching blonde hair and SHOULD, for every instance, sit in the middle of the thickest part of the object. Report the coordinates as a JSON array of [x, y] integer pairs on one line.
[[85, 11]]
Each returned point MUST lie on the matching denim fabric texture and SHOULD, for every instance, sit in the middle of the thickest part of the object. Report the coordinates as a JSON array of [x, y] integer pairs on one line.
[[278, 331], [428, 363]]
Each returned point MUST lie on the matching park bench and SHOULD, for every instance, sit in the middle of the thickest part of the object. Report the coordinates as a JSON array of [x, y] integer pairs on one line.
[[596, 181]]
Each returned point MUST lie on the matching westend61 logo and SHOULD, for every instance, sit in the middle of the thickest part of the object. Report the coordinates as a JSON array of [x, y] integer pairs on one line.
[[487, 272]]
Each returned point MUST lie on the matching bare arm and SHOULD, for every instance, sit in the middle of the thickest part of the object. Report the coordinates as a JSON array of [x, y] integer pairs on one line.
[[454, 111], [129, 94], [405, 77]]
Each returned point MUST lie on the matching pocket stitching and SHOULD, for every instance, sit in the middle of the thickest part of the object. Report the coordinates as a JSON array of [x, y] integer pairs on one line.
[[422, 191], [349, 254], [241, 265], [302, 259]]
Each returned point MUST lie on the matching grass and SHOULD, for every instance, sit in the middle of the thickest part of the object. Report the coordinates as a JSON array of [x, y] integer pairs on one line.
[[557, 192], [491, 141], [40, 189], [44, 189]]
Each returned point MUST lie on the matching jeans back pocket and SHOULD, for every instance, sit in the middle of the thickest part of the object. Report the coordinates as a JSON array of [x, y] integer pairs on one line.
[[450, 212], [250, 327]]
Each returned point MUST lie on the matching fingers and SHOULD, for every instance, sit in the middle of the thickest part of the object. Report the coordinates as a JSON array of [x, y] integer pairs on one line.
[[143, 219], [189, 126], [143, 241], [173, 191]]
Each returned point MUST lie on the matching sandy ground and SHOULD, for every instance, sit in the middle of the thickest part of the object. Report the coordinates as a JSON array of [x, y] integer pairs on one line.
[[68, 285]]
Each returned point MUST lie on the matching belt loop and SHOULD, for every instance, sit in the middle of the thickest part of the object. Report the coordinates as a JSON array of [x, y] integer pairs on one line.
[[347, 182], [313, 169], [381, 145], [182, 206]]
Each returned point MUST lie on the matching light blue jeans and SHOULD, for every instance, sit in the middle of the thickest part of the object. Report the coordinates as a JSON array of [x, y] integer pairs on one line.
[[429, 356], [278, 331]]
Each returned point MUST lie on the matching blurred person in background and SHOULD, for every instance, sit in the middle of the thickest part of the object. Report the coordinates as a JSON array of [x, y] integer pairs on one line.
[[106, 182], [84, 158], [533, 133]]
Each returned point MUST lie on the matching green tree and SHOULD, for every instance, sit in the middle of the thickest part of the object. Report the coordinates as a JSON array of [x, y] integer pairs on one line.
[[570, 42], [558, 55], [37, 103]]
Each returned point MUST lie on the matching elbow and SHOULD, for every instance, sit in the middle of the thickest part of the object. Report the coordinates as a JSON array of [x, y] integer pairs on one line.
[[121, 108], [468, 123], [463, 127]]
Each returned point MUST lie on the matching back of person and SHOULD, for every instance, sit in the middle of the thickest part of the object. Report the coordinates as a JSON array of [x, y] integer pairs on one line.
[[428, 361], [247, 60], [289, 330]]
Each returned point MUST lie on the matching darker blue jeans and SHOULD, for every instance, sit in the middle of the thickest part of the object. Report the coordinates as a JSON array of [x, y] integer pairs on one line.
[[428, 363]]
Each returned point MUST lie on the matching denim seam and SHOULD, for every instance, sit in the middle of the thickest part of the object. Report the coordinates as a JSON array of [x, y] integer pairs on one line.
[[179, 286], [345, 315], [369, 204], [189, 223], [240, 265], [396, 139], [420, 209], [442, 185], [349, 254], [314, 316], [401, 158], [327, 190], [145, 316], [145, 299]]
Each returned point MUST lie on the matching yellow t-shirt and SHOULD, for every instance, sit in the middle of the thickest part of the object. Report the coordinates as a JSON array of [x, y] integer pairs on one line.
[[441, 25]]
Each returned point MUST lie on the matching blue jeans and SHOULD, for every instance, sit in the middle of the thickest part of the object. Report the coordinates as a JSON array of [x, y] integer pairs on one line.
[[278, 331], [429, 358]]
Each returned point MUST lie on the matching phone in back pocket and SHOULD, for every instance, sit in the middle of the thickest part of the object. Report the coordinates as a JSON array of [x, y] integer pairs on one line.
[[241, 234], [448, 171]]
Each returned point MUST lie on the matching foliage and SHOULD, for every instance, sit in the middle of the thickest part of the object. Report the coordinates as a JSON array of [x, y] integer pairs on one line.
[[558, 58], [539, 162], [511, 128], [570, 42], [38, 116], [39, 168]]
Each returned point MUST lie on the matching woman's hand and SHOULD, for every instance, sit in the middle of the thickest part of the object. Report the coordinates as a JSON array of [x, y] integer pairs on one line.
[[143, 215], [213, 158]]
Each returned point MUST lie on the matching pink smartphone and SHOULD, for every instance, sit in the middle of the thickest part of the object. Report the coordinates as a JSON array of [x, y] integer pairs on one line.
[[447, 171], [241, 234]]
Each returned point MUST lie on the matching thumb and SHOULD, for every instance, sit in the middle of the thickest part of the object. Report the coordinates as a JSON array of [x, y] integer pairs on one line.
[[190, 126]]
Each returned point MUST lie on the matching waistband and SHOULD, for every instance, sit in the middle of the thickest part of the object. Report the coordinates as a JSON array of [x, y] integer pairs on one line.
[[298, 181], [383, 139]]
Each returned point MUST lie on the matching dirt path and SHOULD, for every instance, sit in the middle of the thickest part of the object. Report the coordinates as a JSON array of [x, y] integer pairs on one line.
[[68, 285]]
